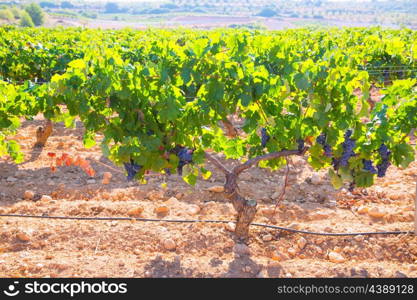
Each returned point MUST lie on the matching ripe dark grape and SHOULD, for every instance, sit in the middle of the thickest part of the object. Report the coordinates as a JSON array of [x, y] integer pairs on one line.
[[132, 169], [321, 139], [384, 152], [351, 187], [186, 157], [384, 164], [327, 150], [368, 166], [382, 168], [264, 137], [335, 163], [300, 143], [348, 146], [348, 134], [149, 132]]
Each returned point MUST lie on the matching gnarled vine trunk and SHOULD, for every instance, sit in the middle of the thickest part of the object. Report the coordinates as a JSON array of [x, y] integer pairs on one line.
[[246, 209]]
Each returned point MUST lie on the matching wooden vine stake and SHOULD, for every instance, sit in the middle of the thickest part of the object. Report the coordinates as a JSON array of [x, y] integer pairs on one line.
[[415, 211]]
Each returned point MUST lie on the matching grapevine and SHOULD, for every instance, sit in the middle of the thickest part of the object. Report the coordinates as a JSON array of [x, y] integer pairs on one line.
[[163, 100]]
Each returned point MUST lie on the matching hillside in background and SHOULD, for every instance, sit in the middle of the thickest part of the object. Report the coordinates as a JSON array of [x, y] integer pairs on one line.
[[277, 14]]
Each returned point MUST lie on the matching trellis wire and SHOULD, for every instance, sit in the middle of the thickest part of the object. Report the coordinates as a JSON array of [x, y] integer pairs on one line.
[[206, 221]]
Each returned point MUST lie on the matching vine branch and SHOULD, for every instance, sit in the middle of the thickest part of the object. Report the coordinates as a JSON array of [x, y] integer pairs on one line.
[[217, 163], [254, 161]]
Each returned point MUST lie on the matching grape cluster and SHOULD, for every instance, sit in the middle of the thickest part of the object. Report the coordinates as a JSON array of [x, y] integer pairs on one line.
[[150, 132], [264, 137], [348, 146], [384, 164], [335, 163], [351, 187], [384, 152], [300, 143], [348, 133], [321, 139], [368, 166], [185, 156], [132, 169]]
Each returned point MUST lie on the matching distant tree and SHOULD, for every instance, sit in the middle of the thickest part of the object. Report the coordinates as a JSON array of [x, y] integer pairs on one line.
[[6, 14], [111, 8], [26, 20], [36, 13], [169, 6], [158, 11], [16, 12], [48, 4], [267, 12], [67, 4]]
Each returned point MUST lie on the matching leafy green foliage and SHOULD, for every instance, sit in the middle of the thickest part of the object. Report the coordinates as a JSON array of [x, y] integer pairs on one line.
[[36, 13], [150, 92], [26, 20]]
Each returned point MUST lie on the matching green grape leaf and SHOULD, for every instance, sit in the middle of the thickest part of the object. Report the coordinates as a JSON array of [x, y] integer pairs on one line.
[[345, 174], [335, 179], [364, 179], [302, 82], [88, 139], [206, 174], [190, 178], [403, 155]]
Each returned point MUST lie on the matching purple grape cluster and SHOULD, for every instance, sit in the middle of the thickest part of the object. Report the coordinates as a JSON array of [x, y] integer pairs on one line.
[[382, 168], [348, 146], [368, 166], [321, 139], [351, 186], [132, 169], [384, 164], [384, 151], [186, 157], [264, 137], [335, 163], [327, 150], [300, 145], [348, 133]]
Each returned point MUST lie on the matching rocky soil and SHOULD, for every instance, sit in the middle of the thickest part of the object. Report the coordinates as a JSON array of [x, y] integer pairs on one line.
[[67, 248]]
